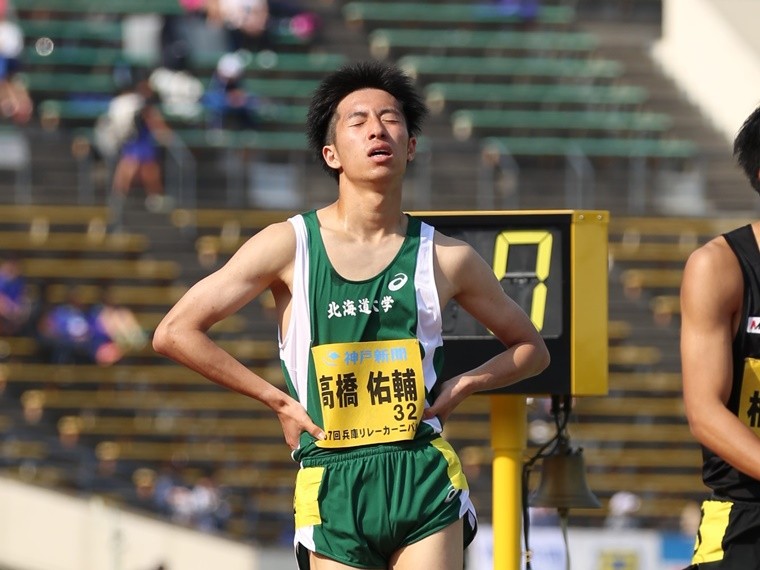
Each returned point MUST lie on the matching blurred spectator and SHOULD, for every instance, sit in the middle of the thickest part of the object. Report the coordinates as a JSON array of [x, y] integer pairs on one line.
[[15, 103], [210, 512], [194, 32], [15, 305], [248, 23], [134, 125], [200, 505], [166, 479], [293, 22], [227, 102], [179, 91], [67, 336], [623, 507], [115, 328], [257, 25], [522, 10]]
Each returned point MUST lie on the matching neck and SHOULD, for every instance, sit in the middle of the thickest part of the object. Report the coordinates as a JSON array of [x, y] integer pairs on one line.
[[369, 212]]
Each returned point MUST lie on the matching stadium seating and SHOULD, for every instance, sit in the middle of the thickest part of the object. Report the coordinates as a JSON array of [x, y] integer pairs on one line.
[[83, 7], [147, 411], [380, 13], [440, 95], [601, 146], [384, 42], [433, 67]]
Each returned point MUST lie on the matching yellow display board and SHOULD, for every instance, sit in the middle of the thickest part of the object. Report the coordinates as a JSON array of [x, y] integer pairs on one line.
[[553, 263]]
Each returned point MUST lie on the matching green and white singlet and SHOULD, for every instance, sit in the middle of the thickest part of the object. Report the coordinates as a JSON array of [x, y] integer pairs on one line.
[[363, 358]]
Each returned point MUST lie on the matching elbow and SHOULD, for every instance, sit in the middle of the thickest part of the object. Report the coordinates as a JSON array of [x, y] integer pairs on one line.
[[163, 339], [697, 428], [700, 429]]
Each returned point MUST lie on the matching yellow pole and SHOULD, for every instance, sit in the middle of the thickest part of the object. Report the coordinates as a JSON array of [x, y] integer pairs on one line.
[[508, 441]]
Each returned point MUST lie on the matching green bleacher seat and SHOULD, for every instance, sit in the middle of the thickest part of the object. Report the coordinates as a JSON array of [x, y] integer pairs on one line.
[[459, 13], [41, 83], [271, 141], [86, 56], [116, 7], [60, 29], [383, 40], [82, 56], [621, 121], [440, 93], [594, 147], [85, 109], [471, 66], [66, 82], [281, 87]]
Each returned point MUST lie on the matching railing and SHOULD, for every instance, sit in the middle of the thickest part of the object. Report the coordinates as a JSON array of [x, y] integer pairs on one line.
[[498, 175], [579, 180], [181, 174], [15, 155]]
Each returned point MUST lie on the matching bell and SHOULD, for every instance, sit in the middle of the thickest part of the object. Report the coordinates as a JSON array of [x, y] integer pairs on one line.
[[563, 482]]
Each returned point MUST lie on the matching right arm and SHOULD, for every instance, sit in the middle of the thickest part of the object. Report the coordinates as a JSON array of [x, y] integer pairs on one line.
[[264, 261], [711, 300]]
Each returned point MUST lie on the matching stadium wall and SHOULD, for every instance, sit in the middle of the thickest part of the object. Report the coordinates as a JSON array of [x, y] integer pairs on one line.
[[711, 51], [46, 530]]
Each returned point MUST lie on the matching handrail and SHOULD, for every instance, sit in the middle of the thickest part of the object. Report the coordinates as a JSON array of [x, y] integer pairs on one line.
[[181, 169], [579, 180], [17, 157], [495, 161]]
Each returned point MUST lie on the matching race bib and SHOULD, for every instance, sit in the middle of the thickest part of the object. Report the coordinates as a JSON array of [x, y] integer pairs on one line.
[[749, 404], [370, 392]]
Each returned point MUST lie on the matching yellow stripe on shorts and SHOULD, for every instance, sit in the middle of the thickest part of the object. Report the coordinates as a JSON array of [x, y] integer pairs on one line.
[[306, 498], [456, 476], [712, 529]]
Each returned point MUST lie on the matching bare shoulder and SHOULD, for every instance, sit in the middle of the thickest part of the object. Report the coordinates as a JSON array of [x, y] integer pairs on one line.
[[451, 251], [712, 278], [458, 267], [715, 259], [268, 251]]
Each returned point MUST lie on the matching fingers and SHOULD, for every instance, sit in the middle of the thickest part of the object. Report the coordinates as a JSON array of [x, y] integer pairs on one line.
[[317, 432]]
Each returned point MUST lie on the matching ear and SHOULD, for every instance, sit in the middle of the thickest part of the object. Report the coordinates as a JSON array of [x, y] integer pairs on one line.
[[330, 156], [411, 149]]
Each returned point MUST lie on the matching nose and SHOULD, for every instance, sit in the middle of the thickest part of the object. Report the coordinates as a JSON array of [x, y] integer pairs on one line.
[[376, 128]]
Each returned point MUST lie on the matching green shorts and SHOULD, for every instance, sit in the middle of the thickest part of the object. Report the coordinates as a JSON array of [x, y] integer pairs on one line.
[[359, 507], [728, 537]]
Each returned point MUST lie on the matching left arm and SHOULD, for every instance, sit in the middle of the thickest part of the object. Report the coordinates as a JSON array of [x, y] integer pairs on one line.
[[463, 275]]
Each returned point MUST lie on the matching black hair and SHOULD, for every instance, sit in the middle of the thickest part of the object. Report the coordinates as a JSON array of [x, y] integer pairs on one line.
[[747, 148], [320, 126]]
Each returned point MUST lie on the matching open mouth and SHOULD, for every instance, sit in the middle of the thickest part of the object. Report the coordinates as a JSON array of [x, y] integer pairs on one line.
[[380, 151]]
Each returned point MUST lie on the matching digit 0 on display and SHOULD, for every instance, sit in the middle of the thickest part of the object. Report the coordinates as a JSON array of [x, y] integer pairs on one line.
[[553, 263]]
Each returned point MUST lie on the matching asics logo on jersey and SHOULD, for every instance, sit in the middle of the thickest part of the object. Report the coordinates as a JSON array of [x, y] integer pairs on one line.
[[753, 325], [399, 280]]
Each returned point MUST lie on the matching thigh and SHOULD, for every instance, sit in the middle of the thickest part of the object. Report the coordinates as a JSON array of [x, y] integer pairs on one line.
[[319, 562], [442, 550]]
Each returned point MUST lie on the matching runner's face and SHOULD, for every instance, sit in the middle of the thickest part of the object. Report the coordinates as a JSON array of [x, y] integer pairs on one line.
[[371, 139]]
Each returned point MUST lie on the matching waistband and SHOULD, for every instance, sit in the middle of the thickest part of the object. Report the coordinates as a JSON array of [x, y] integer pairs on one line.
[[723, 499], [324, 457]]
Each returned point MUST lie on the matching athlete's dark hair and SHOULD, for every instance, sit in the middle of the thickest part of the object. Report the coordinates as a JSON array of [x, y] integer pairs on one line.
[[320, 120], [747, 148]]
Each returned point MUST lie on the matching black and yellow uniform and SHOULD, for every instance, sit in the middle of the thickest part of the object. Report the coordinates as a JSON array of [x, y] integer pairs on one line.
[[729, 532]]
